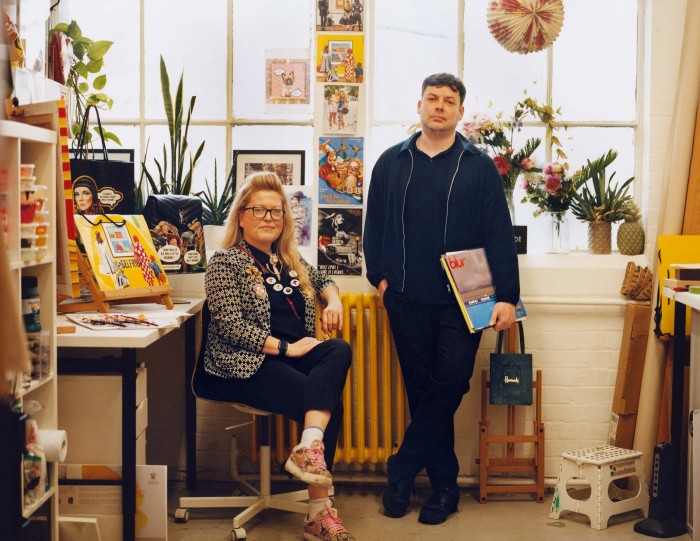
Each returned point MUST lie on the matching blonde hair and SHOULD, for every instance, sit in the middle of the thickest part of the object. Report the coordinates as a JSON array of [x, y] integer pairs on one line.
[[287, 249]]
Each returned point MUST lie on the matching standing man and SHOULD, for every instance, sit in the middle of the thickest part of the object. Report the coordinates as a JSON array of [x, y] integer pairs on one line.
[[431, 194]]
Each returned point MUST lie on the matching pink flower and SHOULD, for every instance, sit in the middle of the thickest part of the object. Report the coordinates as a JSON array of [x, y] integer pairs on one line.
[[552, 184], [526, 164], [502, 164], [553, 168]]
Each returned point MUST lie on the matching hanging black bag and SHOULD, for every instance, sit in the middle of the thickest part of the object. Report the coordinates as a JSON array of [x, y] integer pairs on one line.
[[511, 374], [100, 186]]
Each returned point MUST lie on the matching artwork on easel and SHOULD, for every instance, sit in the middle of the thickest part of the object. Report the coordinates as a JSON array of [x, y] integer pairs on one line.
[[120, 262]]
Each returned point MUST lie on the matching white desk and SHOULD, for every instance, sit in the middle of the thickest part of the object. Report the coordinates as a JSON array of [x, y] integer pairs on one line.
[[128, 342]]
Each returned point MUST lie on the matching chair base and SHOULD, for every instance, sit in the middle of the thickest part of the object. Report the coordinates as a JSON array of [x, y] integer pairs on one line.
[[257, 501]]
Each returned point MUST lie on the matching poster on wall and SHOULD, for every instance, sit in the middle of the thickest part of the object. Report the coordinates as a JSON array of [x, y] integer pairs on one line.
[[339, 15], [341, 108], [340, 241], [341, 171], [287, 81], [340, 58], [304, 217]]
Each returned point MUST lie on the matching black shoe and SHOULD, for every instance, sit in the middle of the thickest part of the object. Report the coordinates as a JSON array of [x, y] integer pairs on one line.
[[397, 494], [441, 504]]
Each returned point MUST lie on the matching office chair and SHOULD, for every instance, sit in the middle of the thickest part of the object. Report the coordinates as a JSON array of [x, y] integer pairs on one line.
[[256, 500]]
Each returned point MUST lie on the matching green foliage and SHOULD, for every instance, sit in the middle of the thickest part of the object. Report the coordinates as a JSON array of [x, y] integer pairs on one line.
[[217, 206], [175, 170], [88, 63], [597, 199]]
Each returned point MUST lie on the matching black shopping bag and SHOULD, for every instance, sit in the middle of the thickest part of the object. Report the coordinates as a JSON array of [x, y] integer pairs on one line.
[[175, 222], [511, 374], [100, 185]]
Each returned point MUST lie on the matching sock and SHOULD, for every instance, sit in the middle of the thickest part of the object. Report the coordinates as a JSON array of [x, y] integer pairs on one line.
[[316, 506], [310, 434]]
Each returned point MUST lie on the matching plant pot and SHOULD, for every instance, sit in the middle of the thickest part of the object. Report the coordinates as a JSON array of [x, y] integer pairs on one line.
[[599, 237]]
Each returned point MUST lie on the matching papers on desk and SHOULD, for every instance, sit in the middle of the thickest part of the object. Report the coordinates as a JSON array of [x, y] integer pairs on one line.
[[112, 321]]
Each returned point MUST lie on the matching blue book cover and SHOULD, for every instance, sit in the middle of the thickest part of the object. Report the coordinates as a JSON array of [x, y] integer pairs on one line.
[[470, 279]]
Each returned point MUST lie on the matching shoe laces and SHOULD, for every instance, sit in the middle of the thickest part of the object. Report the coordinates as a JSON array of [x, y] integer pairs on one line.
[[316, 456], [330, 521]]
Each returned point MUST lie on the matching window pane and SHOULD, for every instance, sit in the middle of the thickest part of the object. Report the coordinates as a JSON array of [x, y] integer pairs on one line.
[[121, 63], [595, 78], [410, 43], [491, 73], [287, 25], [193, 38]]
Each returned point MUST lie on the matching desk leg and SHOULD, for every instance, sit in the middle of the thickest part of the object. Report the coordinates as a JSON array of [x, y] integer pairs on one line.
[[190, 404], [129, 365], [677, 421]]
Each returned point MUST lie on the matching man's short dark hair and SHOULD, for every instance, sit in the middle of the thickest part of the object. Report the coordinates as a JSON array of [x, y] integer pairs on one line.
[[445, 79]]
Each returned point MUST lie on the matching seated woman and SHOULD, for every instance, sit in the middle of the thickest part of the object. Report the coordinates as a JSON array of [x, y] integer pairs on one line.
[[262, 349]]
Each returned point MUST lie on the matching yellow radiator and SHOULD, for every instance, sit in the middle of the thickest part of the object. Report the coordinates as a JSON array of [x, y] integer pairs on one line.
[[375, 415]]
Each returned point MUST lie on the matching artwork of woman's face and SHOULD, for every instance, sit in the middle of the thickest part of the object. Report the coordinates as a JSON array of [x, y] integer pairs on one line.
[[83, 198]]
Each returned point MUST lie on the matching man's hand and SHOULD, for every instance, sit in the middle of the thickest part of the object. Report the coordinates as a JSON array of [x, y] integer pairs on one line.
[[503, 316], [382, 288]]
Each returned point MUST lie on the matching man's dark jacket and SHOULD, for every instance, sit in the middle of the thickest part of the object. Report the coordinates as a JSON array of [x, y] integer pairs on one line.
[[477, 216]]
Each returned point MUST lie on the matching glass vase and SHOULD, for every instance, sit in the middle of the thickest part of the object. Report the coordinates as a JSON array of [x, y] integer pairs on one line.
[[511, 206], [557, 232]]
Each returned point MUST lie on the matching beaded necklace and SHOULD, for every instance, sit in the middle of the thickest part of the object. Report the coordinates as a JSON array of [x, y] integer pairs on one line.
[[276, 283]]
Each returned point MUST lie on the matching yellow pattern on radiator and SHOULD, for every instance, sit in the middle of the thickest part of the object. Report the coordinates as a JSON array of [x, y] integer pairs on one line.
[[375, 412]]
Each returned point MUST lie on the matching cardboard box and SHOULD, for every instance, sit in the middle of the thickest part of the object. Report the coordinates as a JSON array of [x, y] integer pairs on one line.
[[104, 502], [621, 433], [633, 350]]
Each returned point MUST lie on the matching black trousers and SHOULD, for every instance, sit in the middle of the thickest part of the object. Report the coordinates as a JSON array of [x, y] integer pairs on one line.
[[437, 353], [293, 386]]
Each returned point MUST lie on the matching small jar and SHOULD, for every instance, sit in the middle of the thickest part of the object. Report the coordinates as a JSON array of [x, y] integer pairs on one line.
[[30, 304]]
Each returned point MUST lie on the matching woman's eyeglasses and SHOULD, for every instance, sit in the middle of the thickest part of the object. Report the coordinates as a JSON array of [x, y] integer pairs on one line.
[[261, 212]]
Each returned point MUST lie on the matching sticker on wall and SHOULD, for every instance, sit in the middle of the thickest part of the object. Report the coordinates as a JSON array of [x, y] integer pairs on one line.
[[340, 241], [340, 170]]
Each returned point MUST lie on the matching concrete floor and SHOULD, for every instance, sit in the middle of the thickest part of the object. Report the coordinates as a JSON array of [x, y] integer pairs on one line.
[[503, 518]]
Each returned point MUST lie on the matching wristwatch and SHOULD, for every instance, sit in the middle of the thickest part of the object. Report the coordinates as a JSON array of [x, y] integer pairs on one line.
[[283, 345]]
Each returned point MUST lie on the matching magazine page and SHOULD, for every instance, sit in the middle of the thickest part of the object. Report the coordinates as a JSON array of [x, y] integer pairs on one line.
[[112, 321]]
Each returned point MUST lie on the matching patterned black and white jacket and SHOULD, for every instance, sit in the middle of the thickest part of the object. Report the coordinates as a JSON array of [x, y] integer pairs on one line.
[[240, 320]]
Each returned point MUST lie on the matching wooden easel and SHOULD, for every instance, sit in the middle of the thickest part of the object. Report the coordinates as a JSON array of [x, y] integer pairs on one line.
[[101, 300], [511, 463]]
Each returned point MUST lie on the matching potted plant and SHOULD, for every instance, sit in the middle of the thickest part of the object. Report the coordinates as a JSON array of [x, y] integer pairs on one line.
[[599, 202], [88, 61], [176, 170]]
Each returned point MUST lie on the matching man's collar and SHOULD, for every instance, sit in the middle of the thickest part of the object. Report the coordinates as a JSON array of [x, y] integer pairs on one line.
[[461, 142]]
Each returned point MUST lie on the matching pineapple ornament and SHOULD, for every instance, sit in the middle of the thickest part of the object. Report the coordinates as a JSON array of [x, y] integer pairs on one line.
[[630, 235]]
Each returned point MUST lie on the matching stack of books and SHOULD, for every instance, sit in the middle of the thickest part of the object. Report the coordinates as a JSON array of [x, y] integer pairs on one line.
[[470, 279], [684, 276]]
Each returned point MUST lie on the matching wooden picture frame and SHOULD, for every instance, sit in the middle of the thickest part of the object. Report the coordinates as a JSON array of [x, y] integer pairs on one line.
[[288, 164]]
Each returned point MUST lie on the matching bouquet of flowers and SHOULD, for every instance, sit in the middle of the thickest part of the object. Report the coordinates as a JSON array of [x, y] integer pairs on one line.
[[550, 191], [496, 138]]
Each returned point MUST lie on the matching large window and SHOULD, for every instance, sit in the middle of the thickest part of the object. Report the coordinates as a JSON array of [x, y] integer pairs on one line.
[[590, 72]]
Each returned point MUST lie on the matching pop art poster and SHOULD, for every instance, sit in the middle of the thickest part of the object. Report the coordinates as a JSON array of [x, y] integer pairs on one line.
[[287, 80], [301, 203], [339, 15], [340, 170], [340, 241], [341, 108], [120, 251], [340, 58]]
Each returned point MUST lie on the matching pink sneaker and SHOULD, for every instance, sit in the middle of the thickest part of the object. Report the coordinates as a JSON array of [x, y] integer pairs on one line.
[[326, 526], [308, 465]]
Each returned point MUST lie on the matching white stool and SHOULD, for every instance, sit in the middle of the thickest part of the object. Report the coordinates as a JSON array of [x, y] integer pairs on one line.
[[603, 468]]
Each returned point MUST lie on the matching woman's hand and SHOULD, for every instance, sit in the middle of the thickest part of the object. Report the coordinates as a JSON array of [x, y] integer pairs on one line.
[[302, 347], [332, 315]]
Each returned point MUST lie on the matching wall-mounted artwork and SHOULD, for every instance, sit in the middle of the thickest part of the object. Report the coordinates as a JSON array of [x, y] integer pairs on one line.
[[339, 15], [287, 81], [301, 203], [340, 58], [341, 108], [340, 241], [288, 164], [340, 170]]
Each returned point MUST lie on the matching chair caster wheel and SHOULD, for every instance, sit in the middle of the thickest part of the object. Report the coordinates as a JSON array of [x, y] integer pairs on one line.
[[238, 534], [182, 515]]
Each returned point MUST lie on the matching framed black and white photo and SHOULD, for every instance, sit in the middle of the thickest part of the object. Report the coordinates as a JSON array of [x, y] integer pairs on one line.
[[288, 164]]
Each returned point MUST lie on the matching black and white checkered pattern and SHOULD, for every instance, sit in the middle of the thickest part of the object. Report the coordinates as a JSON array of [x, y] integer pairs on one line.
[[240, 320]]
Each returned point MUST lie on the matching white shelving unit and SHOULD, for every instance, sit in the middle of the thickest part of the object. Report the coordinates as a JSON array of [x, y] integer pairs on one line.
[[21, 143]]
